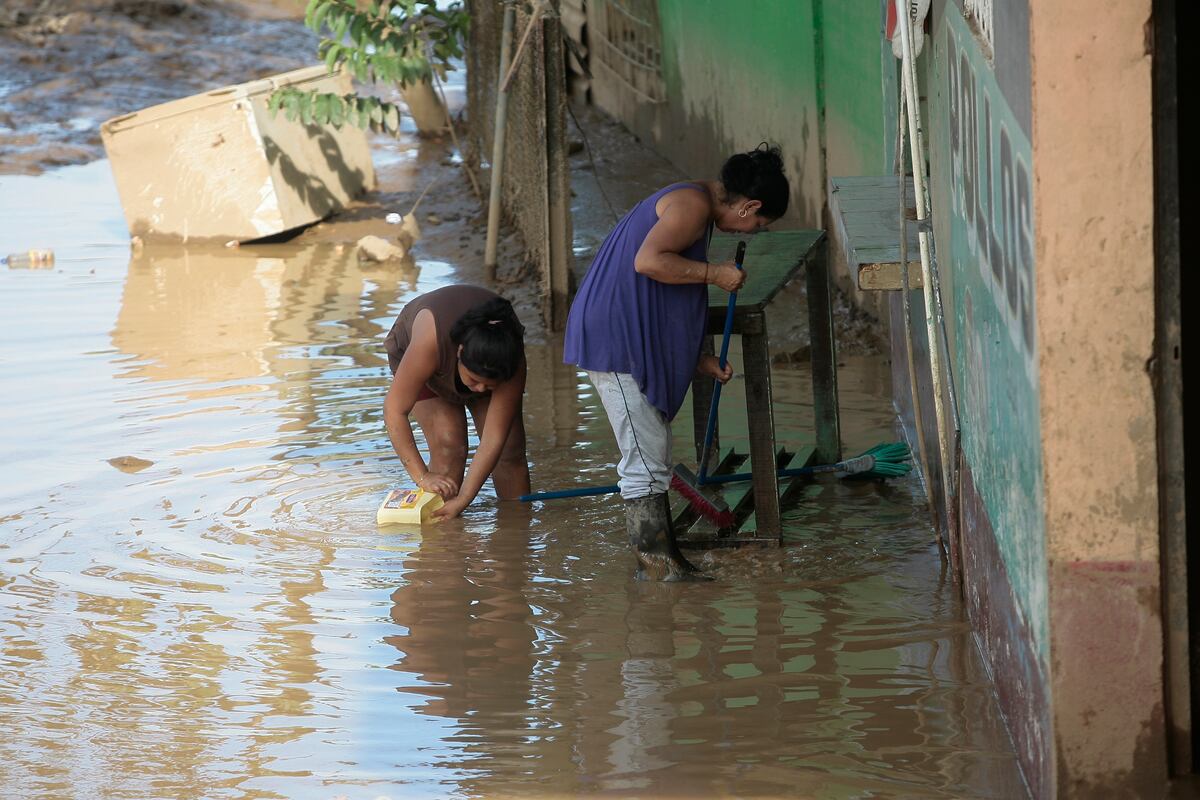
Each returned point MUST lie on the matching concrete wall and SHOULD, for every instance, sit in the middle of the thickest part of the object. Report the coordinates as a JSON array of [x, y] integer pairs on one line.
[[982, 167], [734, 77], [1093, 193]]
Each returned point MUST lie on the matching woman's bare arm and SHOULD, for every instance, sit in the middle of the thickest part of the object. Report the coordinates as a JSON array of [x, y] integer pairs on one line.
[[683, 220], [416, 367]]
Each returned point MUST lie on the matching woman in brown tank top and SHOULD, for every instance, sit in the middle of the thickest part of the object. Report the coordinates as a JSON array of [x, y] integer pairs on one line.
[[450, 350]]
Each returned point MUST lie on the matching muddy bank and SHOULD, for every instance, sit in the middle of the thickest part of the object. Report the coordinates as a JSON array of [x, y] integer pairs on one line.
[[68, 65]]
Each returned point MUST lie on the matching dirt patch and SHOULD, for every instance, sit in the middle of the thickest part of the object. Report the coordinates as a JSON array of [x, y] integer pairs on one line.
[[68, 65]]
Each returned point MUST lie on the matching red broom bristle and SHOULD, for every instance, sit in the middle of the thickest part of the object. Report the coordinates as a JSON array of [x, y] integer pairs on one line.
[[701, 504]]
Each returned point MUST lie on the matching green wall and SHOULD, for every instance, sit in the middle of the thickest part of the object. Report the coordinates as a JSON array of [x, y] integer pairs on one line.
[[981, 194], [791, 72]]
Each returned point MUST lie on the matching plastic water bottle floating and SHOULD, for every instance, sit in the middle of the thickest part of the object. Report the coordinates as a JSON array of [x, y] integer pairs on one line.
[[30, 259]]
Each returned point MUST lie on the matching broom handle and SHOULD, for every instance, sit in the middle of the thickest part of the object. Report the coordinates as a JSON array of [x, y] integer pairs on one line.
[[716, 398], [736, 477]]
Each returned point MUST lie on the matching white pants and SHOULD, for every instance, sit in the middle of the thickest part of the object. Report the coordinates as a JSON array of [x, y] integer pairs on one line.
[[642, 432]]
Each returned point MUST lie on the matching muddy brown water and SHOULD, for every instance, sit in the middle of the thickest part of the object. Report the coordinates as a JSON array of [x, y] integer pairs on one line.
[[229, 622]]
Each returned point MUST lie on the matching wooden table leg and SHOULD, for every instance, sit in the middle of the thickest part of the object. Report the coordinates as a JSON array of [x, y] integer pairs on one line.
[[757, 366], [824, 355]]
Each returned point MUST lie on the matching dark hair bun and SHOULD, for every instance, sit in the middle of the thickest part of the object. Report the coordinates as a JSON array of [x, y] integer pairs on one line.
[[492, 338], [758, 175]]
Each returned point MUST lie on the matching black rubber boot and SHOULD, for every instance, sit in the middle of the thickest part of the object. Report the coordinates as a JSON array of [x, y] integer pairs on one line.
[[652, 536]]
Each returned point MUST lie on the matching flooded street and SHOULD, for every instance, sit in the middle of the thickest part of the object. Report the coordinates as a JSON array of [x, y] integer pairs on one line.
[[228, 621]]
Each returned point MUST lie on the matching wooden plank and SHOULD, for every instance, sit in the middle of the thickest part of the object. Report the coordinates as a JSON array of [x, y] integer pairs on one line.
[[745, 505], [887, 277], [867, 225], [791, 491], [772, 260]]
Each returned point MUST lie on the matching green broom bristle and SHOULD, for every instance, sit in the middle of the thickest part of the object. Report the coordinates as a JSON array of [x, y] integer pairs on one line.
[[890, 460]]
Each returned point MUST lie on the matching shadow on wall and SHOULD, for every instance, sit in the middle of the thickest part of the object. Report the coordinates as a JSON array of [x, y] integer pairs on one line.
[[312, 190]]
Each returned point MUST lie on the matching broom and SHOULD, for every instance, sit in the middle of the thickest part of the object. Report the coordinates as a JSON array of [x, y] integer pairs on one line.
[[881, 461], [682, 479]]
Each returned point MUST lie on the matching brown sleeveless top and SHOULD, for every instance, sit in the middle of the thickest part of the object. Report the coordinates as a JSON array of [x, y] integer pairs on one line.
[[447, 305]]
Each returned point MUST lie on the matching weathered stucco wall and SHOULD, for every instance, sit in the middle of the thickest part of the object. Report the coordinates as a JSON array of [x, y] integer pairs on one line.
[[1093, 193], [735, 77], [981, 164]]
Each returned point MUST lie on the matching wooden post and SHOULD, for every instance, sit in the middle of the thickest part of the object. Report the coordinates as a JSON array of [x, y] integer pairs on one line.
[[757, 366], [558, 178], [824, 357]]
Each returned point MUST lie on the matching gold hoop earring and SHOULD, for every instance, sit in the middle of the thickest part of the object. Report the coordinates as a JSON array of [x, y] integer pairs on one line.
[[742, 213]]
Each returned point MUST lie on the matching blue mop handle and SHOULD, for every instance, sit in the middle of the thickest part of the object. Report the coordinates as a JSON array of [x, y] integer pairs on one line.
[[716, 398], [559, 494]]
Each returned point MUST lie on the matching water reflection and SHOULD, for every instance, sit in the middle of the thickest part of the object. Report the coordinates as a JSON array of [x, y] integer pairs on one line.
[[228, 621]]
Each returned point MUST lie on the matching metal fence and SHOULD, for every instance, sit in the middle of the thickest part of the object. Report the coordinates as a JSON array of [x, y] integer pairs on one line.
[[535, 183], [627, 43]]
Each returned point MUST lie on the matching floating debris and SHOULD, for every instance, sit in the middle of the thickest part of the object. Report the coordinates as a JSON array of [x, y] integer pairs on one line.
[[130, 463]]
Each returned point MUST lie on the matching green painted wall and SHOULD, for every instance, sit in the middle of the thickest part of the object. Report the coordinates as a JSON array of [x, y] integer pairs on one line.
[[736, 76], [981, 194], [859, 72]]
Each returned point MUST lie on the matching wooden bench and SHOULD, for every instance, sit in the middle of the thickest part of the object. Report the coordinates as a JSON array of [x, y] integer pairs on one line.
[[866, 215], [772, 260]]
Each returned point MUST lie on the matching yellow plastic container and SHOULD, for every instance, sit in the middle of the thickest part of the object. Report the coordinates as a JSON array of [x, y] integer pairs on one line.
[[408, 507]]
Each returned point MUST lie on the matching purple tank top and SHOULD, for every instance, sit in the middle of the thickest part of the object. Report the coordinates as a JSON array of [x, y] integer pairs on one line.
[[622, 321]]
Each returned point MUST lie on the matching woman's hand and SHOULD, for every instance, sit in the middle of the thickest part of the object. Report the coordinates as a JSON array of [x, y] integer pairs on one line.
[[439, 484], [728, 276], [450, 510], [710, 367]]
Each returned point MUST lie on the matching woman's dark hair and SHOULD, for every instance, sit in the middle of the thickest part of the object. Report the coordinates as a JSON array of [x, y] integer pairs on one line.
[[758, 175], [492, 339]]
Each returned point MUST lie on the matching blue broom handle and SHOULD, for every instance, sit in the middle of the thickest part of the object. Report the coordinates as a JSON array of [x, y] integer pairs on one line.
[[736, 477], [716, 398]]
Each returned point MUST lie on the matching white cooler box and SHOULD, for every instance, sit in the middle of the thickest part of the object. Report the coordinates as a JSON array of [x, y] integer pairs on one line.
[[218, 165]]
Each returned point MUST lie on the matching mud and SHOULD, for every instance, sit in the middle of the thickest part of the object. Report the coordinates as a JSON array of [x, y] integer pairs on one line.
[[68, 65]]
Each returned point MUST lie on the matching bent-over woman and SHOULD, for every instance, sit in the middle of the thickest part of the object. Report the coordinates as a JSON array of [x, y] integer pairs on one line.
[[458, 349], [637, 326]]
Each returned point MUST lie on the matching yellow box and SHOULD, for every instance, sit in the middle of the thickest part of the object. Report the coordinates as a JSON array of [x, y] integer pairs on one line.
[[218, 165], [408, 507]]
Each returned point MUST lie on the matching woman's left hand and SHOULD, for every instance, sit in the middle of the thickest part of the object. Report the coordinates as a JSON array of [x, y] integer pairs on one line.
[[451, 509], [711, 367]]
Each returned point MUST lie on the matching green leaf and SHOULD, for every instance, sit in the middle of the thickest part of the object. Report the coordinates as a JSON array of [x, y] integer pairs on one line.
[[319, 15], [337, 110], [331, 56], [309, 9], [292, 104]]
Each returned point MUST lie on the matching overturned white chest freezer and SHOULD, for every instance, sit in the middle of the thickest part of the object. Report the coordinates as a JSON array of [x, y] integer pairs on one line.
[[218, 165]]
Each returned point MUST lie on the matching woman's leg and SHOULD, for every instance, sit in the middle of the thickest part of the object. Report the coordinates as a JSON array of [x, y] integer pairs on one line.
[[644, 436], [444, 425], [511, 475]]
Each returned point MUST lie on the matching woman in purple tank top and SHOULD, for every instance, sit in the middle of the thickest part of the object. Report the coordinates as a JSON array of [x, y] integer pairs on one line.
[[637, 324]]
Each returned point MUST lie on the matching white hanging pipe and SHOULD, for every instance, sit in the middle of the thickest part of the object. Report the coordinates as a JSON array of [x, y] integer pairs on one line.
[[906, 306], [501, 125], [916, 142]]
